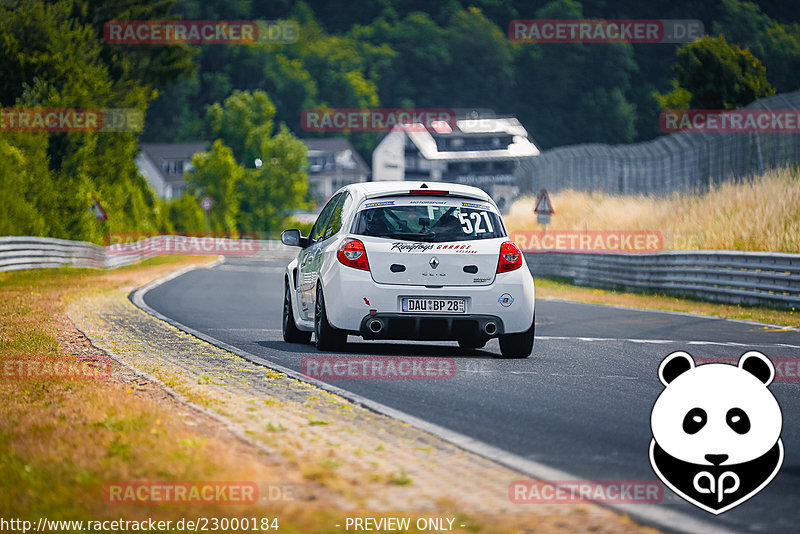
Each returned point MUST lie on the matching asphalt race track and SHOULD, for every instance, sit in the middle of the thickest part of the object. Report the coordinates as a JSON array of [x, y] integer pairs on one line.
[[580, 404]]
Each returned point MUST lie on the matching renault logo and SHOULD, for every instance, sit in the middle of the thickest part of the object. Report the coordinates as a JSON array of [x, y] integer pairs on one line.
[[434, 263]]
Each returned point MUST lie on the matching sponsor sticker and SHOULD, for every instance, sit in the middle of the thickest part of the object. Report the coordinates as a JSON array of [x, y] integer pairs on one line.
[[379, 204]]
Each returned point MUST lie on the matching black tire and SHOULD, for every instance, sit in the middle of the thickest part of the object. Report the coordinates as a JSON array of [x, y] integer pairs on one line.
[[291, 334], [469, 344], [327, 337], [518, 346]]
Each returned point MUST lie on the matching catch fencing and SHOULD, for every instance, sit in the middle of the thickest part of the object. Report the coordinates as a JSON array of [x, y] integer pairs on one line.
[[749, 278], [676, 162]]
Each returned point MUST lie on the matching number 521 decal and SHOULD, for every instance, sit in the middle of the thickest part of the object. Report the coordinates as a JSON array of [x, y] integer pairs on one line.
[[468, 219]]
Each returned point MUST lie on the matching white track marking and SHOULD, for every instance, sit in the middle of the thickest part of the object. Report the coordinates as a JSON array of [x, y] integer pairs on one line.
[[666, 341]]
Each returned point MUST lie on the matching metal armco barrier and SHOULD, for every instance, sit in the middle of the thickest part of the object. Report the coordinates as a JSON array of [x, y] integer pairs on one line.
[[45, 252], [762, 278]]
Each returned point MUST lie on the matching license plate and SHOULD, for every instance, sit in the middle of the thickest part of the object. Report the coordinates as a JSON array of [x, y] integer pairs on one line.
[[421, 305]]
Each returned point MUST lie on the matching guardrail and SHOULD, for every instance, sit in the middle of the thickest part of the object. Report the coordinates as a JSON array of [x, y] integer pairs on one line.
[[762, 278], [45, 252]]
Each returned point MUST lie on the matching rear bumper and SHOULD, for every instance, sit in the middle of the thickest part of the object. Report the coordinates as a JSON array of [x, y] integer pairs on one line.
[[351, 295], [429, 327]]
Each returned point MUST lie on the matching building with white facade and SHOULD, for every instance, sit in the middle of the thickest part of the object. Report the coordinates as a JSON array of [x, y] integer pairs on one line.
[[332, 163], [163, 164], [481, 152]]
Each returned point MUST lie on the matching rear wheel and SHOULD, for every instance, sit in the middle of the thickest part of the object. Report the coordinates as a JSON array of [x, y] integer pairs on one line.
[[328, 337], [518, 345], [291, 334]]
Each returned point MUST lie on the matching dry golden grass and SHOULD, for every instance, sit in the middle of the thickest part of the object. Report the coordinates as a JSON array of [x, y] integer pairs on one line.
[[62, 440], [762, 214]]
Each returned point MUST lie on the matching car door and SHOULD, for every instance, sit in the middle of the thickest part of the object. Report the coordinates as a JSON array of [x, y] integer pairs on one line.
[[325, 251], [311, 254]]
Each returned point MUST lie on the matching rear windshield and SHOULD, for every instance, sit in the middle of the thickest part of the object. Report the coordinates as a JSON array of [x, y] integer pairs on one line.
[[434, 221]]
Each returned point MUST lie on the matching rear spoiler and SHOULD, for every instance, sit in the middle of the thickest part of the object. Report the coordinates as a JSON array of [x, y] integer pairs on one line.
[[443, 192]]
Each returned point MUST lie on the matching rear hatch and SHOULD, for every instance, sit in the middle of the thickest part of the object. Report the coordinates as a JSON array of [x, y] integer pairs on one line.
[[430, 240]]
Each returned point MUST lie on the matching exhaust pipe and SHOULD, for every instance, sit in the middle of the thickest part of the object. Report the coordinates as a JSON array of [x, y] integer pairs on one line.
[[375, 326], [490, 328]]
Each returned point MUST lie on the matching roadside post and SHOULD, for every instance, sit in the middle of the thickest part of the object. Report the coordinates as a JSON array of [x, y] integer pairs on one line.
[[206, 203]]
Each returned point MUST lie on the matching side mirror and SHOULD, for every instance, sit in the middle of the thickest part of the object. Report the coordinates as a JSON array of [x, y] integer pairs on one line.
[[293, 238]]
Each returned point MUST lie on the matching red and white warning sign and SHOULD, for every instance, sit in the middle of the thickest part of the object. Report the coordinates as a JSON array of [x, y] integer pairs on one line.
[[543, 204], [97, 210], [544, 208]]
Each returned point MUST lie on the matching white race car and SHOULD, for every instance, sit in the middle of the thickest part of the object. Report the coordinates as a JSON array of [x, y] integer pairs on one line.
[[411, 261]]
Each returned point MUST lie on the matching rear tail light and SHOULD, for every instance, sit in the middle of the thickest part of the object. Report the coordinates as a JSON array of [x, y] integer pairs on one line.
[[428, 192], [353, 254], [510, 257]]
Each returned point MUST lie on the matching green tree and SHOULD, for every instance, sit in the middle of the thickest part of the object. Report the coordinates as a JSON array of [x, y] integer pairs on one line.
[[265, 193], [271, 193], [717, 75], [776, 45], [185, 214], [215, 173], [678, 98], [412, 72], [19, 178], [574, 93], [241, 121], [481, 70], [52, 56]]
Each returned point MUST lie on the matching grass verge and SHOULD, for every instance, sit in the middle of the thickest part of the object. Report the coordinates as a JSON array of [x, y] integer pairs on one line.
[[66, 442]]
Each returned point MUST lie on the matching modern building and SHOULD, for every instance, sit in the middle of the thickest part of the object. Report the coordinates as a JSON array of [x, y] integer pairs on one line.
[[333, 163], [163, 165], [482, 152]]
